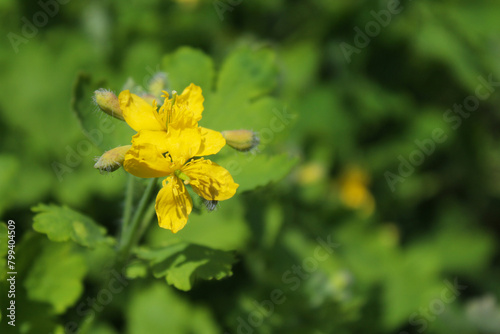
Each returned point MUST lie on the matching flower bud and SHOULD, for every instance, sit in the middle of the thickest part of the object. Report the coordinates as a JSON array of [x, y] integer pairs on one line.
[[149, 98], [112, 159], [108, 102], [241, 140], [157, 84]]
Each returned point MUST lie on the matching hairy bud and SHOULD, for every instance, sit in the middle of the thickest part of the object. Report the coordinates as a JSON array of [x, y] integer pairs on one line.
[[241, 140], [108, 102], [157, 84], [112, 159]]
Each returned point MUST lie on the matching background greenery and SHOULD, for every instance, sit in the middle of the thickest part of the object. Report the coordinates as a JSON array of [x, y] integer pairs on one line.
[[322, 177]]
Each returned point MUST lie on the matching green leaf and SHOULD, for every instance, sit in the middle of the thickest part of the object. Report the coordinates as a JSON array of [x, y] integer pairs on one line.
[[187, 65], [251, 170], [240, 100], [156, 309], [136, 269], [459, 251], [182, 264], [418, 287], [247, 74], [466, 51], [60, 223], [99, 328], [102, 130], [56, 276], [10, 169]]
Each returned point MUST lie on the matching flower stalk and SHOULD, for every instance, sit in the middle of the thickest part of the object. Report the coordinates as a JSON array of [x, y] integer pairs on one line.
[[130, 234]]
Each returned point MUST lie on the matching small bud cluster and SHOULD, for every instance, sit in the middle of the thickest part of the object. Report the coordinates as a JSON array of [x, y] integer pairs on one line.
[[107, 101]]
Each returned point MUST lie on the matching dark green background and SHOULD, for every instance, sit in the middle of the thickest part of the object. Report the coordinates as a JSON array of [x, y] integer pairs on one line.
[[396, 252]]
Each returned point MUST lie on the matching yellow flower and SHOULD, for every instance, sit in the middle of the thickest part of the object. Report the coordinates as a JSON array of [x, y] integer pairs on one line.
[[354, 192], [167, 141], [173, 203], [180, 113]]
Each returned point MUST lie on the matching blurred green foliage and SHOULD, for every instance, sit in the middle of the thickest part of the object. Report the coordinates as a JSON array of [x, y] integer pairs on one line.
[[318, 238]]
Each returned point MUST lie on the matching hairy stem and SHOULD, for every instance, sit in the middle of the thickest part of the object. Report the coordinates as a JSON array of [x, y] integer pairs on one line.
[[129, 199], [130, 234]]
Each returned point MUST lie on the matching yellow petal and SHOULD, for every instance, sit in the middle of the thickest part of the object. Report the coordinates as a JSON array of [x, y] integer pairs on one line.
[[209, 180], [173, 205], [139, 114], [160, 139], [211, 142], [177, 145], [144, 160], [188, 108], [183, 144]]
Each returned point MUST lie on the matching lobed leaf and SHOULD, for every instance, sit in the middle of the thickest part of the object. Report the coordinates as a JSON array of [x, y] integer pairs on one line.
[[56, 276], [104, 131], [252, 170], [157, 309], [60, 223], [182, 264], [187, 65]]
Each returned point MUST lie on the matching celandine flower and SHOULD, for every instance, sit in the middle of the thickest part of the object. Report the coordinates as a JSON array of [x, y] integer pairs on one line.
[[180, 113], [173, 203], [167, 141]]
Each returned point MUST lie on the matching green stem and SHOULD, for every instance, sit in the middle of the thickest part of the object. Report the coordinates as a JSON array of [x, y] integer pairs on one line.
[[146, 220], [130, 233], [129, 199]]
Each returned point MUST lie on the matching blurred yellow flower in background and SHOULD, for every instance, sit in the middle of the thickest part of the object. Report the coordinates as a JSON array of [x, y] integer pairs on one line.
[[354, 192], [310, 173]]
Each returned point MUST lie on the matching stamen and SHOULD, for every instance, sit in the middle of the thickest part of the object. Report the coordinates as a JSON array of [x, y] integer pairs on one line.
[[168, 155]]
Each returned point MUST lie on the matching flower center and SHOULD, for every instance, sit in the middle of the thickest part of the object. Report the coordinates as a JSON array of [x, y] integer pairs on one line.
[[186, 179], [170, 108]]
